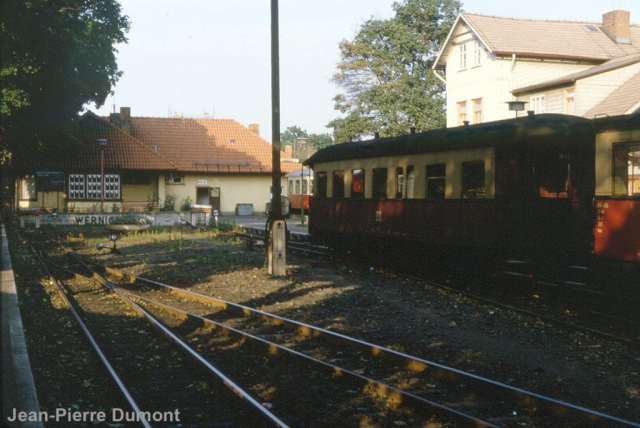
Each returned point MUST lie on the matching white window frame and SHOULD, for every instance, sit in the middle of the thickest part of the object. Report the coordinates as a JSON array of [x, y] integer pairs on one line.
[[538, 104], [463, 56], [89, 187], [477, 54]]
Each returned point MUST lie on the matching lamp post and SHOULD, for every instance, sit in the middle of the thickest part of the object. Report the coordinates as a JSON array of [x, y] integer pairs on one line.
[[103, 143], [516, 106]]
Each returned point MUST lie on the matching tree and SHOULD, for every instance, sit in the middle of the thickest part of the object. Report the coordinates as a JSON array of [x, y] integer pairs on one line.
[[57, 56], [316, 141], [386, 72]]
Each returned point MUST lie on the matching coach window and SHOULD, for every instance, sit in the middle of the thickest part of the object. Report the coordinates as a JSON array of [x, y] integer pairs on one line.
[[379, 189], [626, 169], [321, 184], [399, 182], [290, 187], [410, 182], [357, 184], [338, 184], [436, 181], [472, 180]]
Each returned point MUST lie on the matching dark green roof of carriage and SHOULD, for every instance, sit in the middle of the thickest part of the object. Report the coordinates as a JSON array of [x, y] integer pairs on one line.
[[522, 130]]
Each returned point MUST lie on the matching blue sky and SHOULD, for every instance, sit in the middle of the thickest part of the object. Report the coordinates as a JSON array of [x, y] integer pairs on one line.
[[192, 57]]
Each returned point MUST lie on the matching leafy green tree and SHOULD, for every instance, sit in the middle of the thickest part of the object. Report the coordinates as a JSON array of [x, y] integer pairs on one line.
[[56, 57], [386, 72], [290, 134], [317, 141]]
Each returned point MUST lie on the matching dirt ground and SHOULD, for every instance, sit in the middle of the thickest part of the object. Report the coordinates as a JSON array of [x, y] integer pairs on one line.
[[367, 303]]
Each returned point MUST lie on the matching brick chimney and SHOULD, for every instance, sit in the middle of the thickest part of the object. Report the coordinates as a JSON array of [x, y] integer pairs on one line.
[[125, 119], [122, 120], [616, 24], [255, 128]]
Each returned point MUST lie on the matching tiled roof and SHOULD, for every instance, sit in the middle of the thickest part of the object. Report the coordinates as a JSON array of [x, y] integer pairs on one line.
[[544, 39], [167, 144], [566, 39], [621, 101], [121, 152], [207, 145]]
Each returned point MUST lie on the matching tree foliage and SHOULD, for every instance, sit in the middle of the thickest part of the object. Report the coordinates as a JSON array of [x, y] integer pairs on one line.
[[386, 72], [316, 141], [57, 56]]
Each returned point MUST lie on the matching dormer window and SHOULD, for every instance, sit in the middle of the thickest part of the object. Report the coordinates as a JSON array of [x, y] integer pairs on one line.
[[463, 56]]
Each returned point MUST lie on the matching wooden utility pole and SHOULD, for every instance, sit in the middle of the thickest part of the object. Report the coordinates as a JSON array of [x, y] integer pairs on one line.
[[277, 224]]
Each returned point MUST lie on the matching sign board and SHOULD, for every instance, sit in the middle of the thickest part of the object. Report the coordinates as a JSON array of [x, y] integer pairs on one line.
[[201, 182], [50, 181]]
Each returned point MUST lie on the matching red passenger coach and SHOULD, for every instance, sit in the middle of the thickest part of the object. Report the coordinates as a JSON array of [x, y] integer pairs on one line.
[[523, 187], [512, 188], [299, 189], [617, 192]]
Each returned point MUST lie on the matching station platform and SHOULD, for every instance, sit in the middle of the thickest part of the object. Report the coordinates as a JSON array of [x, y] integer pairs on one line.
[[18, 388], [258, 222]]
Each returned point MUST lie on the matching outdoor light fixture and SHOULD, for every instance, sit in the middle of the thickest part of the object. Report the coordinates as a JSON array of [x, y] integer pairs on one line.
[[102, 142], [113, 237], [516, 106]]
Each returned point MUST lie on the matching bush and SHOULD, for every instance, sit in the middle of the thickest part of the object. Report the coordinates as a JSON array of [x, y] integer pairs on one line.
[[186, 203], [169, 203]]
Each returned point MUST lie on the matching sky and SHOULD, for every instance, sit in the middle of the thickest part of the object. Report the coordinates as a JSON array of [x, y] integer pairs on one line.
[[193, 58]]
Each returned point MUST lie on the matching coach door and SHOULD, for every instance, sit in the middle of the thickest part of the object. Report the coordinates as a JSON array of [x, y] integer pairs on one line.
[[214, 198], [553, 217]]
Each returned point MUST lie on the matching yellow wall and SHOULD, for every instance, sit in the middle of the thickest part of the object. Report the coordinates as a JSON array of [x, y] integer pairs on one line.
[[452, 159], [604, 160]]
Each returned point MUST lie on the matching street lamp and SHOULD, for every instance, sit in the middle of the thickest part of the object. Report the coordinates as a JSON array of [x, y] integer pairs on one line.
[[103, 143], [516, 106]]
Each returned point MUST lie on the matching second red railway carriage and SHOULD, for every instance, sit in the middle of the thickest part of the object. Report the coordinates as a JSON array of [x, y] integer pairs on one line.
[[521, 187]]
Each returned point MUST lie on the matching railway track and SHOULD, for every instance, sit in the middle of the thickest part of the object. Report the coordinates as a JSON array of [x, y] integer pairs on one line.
[[296, 372], [164, 382], [569, 299]]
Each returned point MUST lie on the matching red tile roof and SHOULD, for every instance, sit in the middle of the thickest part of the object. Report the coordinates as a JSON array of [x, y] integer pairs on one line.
[[196, 145], [179, 144], [121, 152]]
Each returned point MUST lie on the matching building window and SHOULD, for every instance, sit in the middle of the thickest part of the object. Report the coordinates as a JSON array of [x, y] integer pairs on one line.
[[537, 104], [399, 182], [357, 184], [569, 101], [379, 189], [462, 112], [472, 180], [27, 190], [321, 185], [76, 186], [90, 186], [477, 54], [463, 56], [626, 169], [338, 184], [477, 110], [174, 179], [436, 179], [411, 176]]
